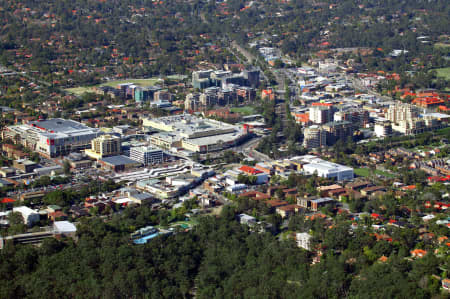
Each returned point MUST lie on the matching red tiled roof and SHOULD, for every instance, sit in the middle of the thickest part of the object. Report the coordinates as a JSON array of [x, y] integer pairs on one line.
[[322, 104], [276, 203], [249, 170], [7, 200]]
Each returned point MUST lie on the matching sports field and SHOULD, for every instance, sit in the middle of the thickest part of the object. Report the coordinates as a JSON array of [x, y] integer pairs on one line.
[[365, 172], [246, 110], [139, 82]]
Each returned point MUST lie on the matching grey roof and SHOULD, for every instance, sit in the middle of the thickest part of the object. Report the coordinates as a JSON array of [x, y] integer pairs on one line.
[[5, 183], [142, 196], [118, 160], [60, 125], [323, 199]]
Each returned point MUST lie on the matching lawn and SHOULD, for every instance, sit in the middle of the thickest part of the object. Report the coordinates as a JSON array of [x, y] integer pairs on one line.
[[140, 82], [79, 90], [365, 172], [444, 72], [246, 110]]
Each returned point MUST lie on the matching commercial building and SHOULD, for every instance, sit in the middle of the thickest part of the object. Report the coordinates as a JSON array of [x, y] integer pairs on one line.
[[321, 114], [146, 155], [220, 78], [24, 165], [383, 128], [197, 134], [64, 228], [104, 146], [170, 187], [166, 140], [29, 216], [260, 176], [118, 163], [53, 137], [326, 169]]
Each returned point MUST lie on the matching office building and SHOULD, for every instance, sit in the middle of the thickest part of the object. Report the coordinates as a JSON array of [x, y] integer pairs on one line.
[[201, 79], [146, 155]]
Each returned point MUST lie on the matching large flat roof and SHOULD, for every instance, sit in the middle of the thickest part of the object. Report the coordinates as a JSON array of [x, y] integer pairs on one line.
[[59, 125], [187, 124], [118, 160], [214, 139], [328, 166]]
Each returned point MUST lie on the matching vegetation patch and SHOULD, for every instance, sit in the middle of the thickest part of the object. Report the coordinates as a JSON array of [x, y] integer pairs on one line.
[[444, 72]]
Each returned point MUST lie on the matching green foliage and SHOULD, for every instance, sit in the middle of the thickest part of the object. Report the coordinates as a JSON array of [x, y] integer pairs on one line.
[[219, 257]]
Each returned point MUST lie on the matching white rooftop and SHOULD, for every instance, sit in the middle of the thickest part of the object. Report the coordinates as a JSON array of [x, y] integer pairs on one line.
[[64, 227]]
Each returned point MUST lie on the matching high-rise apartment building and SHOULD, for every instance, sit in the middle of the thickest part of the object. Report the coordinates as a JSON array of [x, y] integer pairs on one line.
[[400, 112], [314, 137], [103, 146]]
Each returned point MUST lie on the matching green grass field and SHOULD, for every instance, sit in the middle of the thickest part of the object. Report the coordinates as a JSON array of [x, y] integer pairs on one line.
[[444, 72], [365, 172], [139, 82], [246, 110]]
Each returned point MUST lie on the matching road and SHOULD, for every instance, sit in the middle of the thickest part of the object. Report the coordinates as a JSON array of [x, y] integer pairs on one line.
[[248, 56], [357, 84]]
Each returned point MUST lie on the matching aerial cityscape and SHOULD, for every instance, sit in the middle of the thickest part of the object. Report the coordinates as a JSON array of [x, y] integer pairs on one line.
[[225, 149]]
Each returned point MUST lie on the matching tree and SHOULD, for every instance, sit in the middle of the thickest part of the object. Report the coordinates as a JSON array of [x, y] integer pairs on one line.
[[66, 167], [16, 223]]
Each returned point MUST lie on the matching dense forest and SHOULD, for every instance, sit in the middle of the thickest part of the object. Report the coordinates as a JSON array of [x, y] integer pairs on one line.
[[219, 258]]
